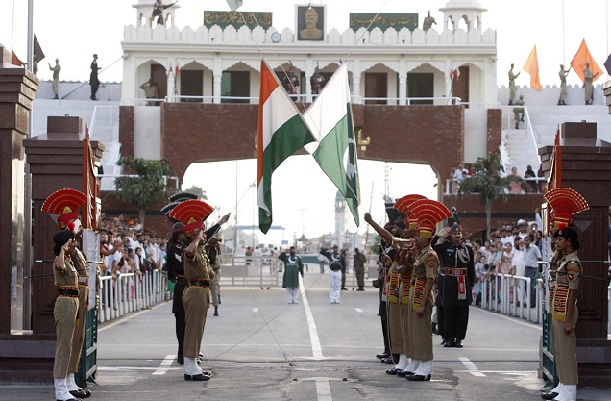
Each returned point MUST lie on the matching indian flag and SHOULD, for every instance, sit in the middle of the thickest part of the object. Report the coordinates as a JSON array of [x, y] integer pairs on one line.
[[281, 132], [329, 118]]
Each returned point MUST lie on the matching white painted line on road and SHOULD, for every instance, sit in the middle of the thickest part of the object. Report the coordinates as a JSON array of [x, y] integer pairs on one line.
[[164, 365], [359, 310], [255, 310], [323, 390], [314, 339], [471, 366]]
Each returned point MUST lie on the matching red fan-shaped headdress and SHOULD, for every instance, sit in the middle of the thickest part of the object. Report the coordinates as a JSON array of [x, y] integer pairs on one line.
[[429, 213], [403, 205], [565, 202], [192, 213], [64, 203]]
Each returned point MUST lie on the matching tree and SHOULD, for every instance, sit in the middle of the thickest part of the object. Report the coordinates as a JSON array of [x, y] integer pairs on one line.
[[490, 183], [201, 193], [148, 188]]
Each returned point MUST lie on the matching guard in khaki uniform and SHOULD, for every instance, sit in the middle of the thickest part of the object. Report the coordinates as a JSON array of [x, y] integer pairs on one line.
[[68, 265], [198, 274], [425, 267], [565, 274]]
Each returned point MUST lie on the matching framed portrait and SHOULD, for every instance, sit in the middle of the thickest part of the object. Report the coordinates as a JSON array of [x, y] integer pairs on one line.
[[311, 22]]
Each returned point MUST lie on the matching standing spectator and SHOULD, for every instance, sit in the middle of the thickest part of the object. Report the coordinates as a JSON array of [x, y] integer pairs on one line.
[[519, 268], [481, 269], [359, 269], [564, 92], [512, 84], [531, 186], [56, 68], [150, 91], [293, 266], [317, 83], [344, 262], [213, 249], [532, 256], [249, 255], [93, 77], [335, 272], [290, 83], [588, 79]]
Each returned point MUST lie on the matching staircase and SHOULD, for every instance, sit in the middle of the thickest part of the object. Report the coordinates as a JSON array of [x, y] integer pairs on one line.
[[518, 145]]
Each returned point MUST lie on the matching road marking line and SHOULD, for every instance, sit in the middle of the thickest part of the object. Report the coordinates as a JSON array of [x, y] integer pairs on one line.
[[314, 339], [471, 366], [359, 310], [164, 365], [323, 390]]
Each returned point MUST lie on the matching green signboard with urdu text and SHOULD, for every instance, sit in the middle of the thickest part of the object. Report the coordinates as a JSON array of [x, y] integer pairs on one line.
[[237, 20], [383, 21]]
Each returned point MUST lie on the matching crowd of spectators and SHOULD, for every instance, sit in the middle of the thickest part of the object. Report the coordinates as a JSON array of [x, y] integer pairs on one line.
[[534, 182], [507, 251], [125, 248]]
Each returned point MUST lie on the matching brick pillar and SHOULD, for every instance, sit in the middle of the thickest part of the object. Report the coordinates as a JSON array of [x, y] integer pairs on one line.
[[56, 161], [586, 167]]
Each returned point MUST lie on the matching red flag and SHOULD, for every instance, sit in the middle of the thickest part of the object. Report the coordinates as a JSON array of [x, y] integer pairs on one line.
[[581, 58], [531, 66], [170, 70], [15, 60], [38, 54], [177, 70]]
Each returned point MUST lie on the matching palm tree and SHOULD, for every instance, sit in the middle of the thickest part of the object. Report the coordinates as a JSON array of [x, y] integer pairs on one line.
[[490, 183]]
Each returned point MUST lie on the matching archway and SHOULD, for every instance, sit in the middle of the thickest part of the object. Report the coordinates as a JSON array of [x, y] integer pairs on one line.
[[303, 196]]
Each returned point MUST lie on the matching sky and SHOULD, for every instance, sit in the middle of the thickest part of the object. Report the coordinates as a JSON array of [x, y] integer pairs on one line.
[[72, 30]]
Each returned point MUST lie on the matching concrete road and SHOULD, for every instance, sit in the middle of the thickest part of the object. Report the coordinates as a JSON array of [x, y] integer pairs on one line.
[[261, 348]]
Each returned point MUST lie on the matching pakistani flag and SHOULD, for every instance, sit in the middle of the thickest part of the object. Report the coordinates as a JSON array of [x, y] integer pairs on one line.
[[329, 118], [281, 132]]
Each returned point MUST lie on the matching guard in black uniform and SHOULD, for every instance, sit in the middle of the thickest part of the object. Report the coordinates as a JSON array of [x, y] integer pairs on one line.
[[176, 273], [455, 285]]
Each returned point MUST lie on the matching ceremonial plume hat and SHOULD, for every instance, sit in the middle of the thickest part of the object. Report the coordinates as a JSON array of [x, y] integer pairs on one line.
[[403, 205], [192, 213], [64, 203], [429, 213], [565, 202]]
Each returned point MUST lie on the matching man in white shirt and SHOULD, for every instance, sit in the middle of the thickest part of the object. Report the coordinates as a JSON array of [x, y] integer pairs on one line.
[[532, 257]]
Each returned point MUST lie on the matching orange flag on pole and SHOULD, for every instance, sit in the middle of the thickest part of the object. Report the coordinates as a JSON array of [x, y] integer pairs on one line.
[[531, 66], [581, 58]]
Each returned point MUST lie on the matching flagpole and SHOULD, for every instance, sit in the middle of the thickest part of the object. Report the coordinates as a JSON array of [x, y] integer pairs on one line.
[[563, 43], [27, 240]]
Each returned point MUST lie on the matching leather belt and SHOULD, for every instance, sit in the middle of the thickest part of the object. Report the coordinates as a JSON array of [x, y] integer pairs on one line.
[[66, 291], [181, 280], [199, 283], [455, 271]]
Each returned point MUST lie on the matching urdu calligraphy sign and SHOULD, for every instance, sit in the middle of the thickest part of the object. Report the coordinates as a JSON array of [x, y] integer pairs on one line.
[[237, 20], [383, 21]]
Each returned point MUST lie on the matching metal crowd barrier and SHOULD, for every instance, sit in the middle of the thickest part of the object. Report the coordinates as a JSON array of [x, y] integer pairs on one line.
[[510, 295], [130, 292]]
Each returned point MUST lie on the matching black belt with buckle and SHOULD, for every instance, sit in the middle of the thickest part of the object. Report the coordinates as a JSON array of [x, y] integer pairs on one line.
[[71, 292], [199, 283], [181, 280]]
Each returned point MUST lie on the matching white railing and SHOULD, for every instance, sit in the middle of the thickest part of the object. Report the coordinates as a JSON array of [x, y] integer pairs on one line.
[[510, 295], [129, 292]]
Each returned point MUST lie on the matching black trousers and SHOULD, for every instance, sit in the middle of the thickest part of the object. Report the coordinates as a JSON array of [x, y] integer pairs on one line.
[[384, 321], [441, 324], [531, 272], [180, 331], [456, 321]]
